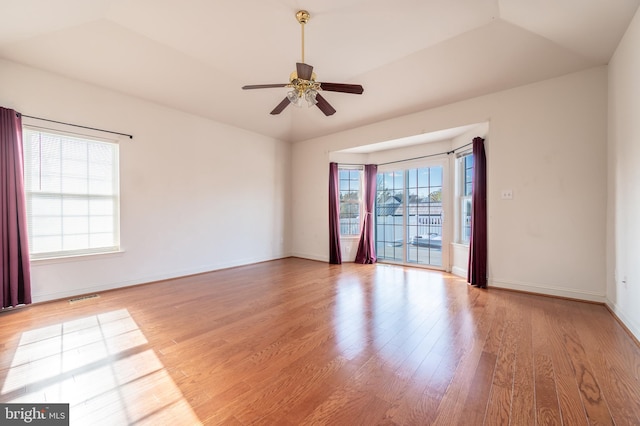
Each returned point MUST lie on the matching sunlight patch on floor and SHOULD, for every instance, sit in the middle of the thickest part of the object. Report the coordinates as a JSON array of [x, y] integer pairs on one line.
[[100, 366]]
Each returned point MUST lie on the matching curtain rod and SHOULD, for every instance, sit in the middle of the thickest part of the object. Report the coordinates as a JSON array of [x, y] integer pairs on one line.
[[75, 125], [415, 158]]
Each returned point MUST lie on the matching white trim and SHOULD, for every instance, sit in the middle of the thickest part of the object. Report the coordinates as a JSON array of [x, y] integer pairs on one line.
[[75, 258], [310, 257], [460, 272], [547, 290], [628, 322], [153, 278]]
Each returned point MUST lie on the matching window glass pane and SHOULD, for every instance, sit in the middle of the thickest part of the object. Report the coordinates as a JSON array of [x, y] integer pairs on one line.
[[423, 177], [102, 240], [45, 206], [75, 207], [468, 189], [75, 242], [49, 183], [46, 225], [101, 206], [435, 176], [45, 244], [397, 180], [412, 176], [435, 194], [101, 224], [73, 225], [73, 185], [466, 220]]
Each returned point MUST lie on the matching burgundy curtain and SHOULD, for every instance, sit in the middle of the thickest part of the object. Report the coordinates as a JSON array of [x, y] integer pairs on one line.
[[335, 254], [14, 252], [477, 271], [366, 248]]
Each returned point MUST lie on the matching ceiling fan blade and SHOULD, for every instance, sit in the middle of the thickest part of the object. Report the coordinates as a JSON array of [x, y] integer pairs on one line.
[[281, 106], [324, 105], [304, 71], [263, 86], [356, 89]]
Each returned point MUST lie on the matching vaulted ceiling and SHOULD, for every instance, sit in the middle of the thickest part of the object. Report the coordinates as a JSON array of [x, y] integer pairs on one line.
[[410, 55]]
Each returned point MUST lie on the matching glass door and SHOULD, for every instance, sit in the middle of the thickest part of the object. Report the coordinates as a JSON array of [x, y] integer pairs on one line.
[[390, 240], [410, 214]]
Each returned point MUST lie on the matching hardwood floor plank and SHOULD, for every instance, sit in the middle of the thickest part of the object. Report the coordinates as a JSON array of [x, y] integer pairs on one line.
[[500, 399], [476, 331], [592, 397], [295, 342], [523, 398], [612, 358], [569, 398], [546, 396]]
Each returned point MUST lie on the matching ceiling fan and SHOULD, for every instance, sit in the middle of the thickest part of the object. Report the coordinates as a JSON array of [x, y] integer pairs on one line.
[[303, 84]]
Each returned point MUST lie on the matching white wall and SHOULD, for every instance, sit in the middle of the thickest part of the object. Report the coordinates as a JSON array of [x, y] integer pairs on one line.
[[192, 200], [623, 266], [546, 142]]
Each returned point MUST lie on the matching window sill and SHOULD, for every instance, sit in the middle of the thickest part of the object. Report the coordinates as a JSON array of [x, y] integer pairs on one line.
[[76, 258], [349, 237], [460, 245]]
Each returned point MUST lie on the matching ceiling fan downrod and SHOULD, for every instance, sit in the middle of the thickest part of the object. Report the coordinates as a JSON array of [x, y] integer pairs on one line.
[[303, 17]]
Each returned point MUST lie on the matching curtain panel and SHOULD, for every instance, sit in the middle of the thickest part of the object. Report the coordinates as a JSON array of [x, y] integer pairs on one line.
[[335, 253], [366, 247], [477, 270], [14, 251]]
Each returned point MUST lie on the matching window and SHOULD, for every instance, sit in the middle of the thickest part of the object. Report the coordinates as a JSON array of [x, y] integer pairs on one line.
[[465, 167], [350, 200], [72, 192]]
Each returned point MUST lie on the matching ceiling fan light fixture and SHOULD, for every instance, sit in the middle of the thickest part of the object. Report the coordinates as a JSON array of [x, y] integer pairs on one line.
[[293, 97], [299, 96], [310, 97]]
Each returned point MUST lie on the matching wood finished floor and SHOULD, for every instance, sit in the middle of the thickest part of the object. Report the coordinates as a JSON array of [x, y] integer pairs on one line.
[[294, 342]]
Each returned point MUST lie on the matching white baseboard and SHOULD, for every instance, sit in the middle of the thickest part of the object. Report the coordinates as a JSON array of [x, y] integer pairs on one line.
[[311, 257], [152, 278], [628, 322], [461, 272], [548, 290]]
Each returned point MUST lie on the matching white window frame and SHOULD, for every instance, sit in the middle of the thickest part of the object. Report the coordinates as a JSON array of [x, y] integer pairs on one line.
[[360, 170], [109, 198], [462, 197]]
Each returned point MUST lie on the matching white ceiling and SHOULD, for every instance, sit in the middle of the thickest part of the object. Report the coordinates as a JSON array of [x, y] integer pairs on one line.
[[195, 55]]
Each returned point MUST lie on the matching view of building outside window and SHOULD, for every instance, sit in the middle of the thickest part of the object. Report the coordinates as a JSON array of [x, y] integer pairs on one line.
[[350, 201]]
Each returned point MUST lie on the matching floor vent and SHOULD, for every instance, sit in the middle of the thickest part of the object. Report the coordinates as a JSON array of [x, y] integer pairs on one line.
[[83, 298]]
